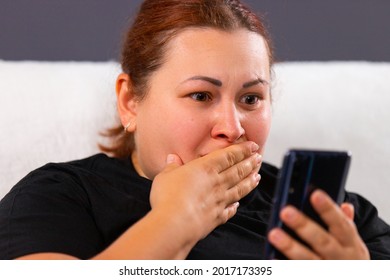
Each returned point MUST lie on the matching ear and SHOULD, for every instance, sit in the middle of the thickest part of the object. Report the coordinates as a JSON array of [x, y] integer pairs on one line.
[[126, 102]]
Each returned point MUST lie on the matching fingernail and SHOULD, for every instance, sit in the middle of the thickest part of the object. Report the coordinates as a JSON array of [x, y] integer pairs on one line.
[[257, 177], [170, 158], [255, 147], [319, 197], [259, 158], [275, 235], [290, 213]]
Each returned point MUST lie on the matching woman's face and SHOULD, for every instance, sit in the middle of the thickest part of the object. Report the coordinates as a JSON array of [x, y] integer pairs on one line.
[[212, 91]]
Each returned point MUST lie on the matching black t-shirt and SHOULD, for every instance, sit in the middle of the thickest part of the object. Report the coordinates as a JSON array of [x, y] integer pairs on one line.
[[79, 208]]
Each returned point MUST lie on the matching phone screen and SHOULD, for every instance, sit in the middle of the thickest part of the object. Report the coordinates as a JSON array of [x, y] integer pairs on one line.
[[302, 172]]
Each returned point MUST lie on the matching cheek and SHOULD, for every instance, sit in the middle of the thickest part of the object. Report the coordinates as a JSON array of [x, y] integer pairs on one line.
[[258, 127], [152, 135], [166, 132], [187, 137]]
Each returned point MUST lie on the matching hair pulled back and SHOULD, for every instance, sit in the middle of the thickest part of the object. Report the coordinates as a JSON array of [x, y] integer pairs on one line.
[[156, 23]]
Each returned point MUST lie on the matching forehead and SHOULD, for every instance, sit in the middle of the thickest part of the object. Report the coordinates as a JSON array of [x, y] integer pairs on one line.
[[202, 39], [209, 47]]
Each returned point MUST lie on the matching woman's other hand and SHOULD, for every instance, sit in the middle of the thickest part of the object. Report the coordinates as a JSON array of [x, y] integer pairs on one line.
[[341, 241], [204, 193]]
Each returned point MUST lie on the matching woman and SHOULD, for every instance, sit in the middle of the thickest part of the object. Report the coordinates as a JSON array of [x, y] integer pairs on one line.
[[194, 101]]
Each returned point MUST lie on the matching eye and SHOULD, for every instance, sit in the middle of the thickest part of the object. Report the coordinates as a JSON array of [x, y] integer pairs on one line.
[[200, 96], [250, 99]]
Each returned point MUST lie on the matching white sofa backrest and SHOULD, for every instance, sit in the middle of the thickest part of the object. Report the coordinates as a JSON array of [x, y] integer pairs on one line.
[[51, 112], [342, 106], [54, 111]]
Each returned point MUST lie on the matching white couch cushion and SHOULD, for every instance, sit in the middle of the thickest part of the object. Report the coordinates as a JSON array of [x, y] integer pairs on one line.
[[51, 111], [342, 106], [54, 111]]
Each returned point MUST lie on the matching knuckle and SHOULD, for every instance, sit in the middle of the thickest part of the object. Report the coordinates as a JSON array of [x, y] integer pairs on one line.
[[211, 170], [231, 213], [224, 219], [240, 192], [241, 172], [231, 158], [222, 216], [220, 195], [346, 225], [322, 241]]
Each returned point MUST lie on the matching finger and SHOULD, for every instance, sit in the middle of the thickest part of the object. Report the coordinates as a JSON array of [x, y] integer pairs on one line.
[[230, 211], [172, 161], [220, 160], [348, 210], [242, 188], [289, 247], [311, 232], [240, 171], [341, 227]]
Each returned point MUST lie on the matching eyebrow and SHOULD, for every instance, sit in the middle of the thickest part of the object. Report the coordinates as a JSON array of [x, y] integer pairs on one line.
[[255, 82], [218, 83], [215, 82]]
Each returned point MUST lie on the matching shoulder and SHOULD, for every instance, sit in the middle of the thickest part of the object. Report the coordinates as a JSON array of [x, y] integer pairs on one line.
[[61, 203], [365, 211], [374, 231], [66, 179], [73, 170]]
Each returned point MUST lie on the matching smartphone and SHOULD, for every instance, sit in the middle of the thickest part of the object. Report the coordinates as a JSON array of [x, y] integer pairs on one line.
[[302, 172]]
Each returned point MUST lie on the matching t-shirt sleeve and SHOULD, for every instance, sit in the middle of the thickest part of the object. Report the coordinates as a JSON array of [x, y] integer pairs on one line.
[[48, 211], [373, 230]]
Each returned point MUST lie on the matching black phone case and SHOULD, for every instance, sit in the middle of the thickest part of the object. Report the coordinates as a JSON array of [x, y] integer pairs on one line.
[[302, 172]]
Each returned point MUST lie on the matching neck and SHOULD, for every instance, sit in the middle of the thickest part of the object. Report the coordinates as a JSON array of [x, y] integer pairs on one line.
[[137, 167]]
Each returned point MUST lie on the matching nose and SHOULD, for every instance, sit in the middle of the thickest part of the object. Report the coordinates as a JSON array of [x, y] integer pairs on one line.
[[227, 124]]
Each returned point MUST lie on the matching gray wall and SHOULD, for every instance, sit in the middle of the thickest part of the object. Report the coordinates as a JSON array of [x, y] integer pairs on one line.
[[92, 29]]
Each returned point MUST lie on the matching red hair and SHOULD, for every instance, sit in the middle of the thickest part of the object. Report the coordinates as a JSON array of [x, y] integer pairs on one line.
[[156, 23]]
